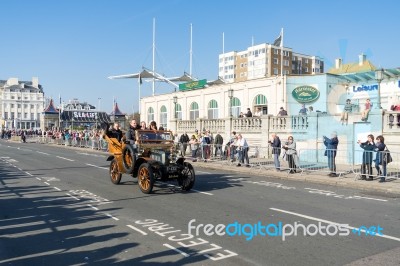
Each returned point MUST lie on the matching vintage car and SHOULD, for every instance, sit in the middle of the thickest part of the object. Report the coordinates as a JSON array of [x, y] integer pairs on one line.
[[153, 157]]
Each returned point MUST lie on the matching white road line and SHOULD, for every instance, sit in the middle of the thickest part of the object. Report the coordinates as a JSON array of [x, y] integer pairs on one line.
[[56, 188], [72, 196], [100, 167], [19, 169], [93, 207], [330, 222], [359, 197], [65, 158], [202, 192], [47, 183], [109, 215], [42, 153], [38, 178], [28, 173], [207, 173], [137, 230], [177, 250]]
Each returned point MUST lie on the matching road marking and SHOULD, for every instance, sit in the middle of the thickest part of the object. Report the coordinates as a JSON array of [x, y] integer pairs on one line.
[[88, 154], [202, 192], [334, 223], [177, 250], [38, 178], [19, 169], [56, 188], [137, 229], [93, 207], [112, 217], [72, 196], [333, 194], [359, 197], [47, 183], [42, 152], [207, 173], [100, 167], [28, 173], [65, 158]]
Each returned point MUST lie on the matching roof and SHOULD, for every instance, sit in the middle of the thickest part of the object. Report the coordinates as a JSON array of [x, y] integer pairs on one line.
[[370, 75], [353, 68], [50, 109], [27, 85], [116, 111]]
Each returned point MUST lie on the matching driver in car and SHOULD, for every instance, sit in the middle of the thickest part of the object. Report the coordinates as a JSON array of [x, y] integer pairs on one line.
[[130, 136]]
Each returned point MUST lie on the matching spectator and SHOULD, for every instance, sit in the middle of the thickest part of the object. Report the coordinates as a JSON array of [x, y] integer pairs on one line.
[[243, 149], [153, 125], [241, 115], [310, 109], [291, 153], [366, 166], [275, 143], [184, 140], [258, 113], [218, 144], [196, 134], [249, 114], [364, 114], [395, 108], [348, 108], [232, 145], [303, 110], [380, 163], [282, 112], [205, 143], [143, 125], [331, 145], [194, 145]]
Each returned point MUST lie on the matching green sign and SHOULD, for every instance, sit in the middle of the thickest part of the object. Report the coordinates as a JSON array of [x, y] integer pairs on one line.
[[305, 94], [193, 85]]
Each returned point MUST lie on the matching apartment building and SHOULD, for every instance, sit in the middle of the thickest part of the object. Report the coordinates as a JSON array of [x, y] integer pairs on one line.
[[21, 103], [265, 60]]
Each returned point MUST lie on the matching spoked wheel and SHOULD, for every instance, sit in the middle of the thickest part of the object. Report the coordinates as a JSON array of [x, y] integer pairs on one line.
[[187, 177], [115, 174], [128, 159], [145, 178]]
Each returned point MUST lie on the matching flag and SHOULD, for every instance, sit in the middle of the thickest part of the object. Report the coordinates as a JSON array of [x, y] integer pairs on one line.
[[140, 80], [278, 41]]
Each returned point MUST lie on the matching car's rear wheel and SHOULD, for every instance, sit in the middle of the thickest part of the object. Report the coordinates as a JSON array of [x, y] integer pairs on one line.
[[187, 177], [145, 178], [115, 174]]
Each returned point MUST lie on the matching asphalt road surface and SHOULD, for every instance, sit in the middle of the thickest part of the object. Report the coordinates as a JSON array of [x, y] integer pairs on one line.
[[58, 207]]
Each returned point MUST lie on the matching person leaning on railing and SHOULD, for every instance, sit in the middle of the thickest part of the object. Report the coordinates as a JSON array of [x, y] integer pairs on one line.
[[366, 166], [291, 154], [243, 149], [380, 162], [331, 145], [275, 142]]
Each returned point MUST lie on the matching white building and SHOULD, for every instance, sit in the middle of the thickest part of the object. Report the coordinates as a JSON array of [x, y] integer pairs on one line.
[[21, 103]]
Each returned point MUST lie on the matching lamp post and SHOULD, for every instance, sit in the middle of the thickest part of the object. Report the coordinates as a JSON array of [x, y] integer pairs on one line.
[[230, 95], [379, 76], [175, 102]]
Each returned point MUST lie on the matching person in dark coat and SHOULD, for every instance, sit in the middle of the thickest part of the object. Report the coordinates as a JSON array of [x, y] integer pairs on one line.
[[366, 167], [275, 143], [380, 162], [183, 141], [331, 145], [115, 132]]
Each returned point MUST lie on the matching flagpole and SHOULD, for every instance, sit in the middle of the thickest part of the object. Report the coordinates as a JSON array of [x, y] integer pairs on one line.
[[282, 52], [59, 113], [140, 88]]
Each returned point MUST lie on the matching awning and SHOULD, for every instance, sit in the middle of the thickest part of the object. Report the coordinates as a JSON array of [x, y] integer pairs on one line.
[[85, 117]]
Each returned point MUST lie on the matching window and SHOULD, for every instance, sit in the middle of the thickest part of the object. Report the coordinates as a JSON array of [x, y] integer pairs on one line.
[[286, 72], [194, 111], [25, 106], [12, 115], [6, 115], [306, 69], [32, 116], [276, 51], [32, 106], [306, 61], [19, 116], [293, 67], [19, 105], [12, 97], [221, 69], [276, 71], [260, 100], [286, 62], [163, 116], [25, 115], [213, 109], [150, 114], [235, 107], [275, 61], [12, 105], [178, 111], [293, 58]]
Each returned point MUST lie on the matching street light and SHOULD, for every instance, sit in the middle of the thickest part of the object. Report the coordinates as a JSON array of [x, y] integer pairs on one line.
[[379, 76], [230, 95], [175, 102]]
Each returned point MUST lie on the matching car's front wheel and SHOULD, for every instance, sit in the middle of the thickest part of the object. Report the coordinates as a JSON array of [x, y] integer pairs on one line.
[[145, 178], [115, 174], [187, 177]]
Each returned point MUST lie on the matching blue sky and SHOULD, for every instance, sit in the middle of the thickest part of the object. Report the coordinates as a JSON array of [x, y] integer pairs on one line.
[[73, 46]]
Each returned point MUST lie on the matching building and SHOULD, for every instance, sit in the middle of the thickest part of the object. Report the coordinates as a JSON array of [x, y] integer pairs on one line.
[[264, 60], [21, 103], [117, 116], [50, 116]]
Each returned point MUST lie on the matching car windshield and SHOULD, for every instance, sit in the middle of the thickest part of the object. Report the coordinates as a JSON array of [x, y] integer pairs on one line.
[[155, 135]]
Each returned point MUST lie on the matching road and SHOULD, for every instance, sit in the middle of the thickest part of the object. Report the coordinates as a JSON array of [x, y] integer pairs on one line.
[[58, 207]]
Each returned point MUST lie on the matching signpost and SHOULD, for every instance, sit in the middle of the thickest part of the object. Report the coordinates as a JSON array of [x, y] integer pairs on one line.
[[198, 84], [305, 94]]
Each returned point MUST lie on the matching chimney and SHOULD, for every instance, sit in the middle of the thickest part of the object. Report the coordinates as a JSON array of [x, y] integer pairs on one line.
[[338, 63], [12, 81], [361, 59], [35, 82]]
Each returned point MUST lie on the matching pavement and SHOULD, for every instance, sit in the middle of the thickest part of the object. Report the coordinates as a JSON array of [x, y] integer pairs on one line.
[[58, 207]]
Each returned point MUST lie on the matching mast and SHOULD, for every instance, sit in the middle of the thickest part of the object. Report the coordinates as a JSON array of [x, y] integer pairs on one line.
[[154, 51], [223, 56], [191, 50]]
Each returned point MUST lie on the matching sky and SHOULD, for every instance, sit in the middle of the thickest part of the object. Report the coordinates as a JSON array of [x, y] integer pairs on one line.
[[73, 46]]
